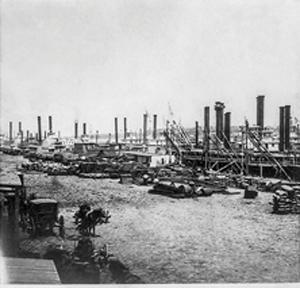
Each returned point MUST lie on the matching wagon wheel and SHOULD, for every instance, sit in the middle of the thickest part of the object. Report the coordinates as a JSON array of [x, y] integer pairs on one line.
[[23, 222], [46, 224], [61, 221], [32, 227]]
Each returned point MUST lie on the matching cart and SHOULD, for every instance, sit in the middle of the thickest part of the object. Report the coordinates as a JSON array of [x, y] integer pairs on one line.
[[42, 217]]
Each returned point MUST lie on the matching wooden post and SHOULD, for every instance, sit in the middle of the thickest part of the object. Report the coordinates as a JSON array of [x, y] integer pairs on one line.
[[9, 219], [16, 220], [1, 222], [10, 238]]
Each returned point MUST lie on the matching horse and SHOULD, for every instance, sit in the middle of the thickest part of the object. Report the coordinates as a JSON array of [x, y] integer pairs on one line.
[[80, 214], [91, 218]]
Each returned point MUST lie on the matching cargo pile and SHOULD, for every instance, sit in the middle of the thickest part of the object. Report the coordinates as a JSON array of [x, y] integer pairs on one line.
[[286, 199], [129, 172], [173, 180]]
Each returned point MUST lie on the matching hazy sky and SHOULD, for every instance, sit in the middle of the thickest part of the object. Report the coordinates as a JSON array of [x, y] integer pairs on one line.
[[93, 60]]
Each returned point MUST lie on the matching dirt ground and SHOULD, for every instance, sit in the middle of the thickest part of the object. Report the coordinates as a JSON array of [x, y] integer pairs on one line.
[[217, 239]]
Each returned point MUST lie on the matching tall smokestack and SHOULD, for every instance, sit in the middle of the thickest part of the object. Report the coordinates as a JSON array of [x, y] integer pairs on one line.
[[196, 134], [287, 127], [39, 129], [21, 131], [145, 129], [260, 113], [50, 124], [219, 107], [125, 128], [116, 130], [206, 128], [154, 126], [22, 136], [84, 128], [281, 128], [168, 133], [76, 130], [227, 130], [10, 131]]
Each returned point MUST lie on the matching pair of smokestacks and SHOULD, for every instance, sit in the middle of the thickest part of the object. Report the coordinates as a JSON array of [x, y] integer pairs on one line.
[[284, 123], [76, 130], [39, 135], [145, 119], [222, 129], [284, 128], [154, 135], [11, 131]]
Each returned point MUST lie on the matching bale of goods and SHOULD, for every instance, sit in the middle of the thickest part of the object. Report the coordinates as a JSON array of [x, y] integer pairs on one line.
[[287, 188], [290, 191], [281, 202], [273, 185], [170, 190], [126, 178], [250, 192], [142, 179], [179, 190], [207, 191]]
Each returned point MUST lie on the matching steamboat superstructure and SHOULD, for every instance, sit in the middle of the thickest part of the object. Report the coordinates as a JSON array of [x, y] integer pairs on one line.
[[246, 149]]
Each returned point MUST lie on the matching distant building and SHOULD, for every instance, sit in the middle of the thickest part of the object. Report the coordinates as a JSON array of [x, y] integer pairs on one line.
[[151, 160], [68, 142]]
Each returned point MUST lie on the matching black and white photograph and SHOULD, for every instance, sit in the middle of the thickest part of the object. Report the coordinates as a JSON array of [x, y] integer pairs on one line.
[[150, 142]]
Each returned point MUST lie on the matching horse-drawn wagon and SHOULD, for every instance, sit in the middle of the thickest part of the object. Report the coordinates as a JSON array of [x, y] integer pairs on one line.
[[40, 216]]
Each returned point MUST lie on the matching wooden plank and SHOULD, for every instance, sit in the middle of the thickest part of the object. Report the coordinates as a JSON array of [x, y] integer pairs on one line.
[[39, 263], [31, 271], [31, 277]]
